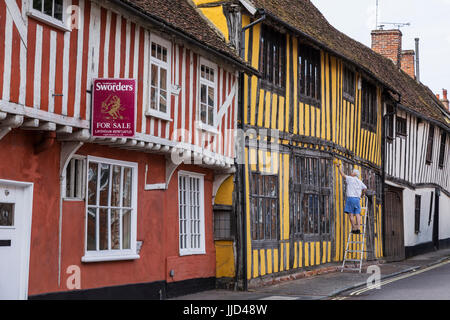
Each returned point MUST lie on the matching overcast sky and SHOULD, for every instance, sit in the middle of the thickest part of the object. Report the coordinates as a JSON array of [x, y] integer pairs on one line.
[[430, 21]]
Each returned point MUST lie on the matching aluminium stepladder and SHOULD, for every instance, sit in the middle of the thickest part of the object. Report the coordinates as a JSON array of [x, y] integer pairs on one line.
[[361, 241]]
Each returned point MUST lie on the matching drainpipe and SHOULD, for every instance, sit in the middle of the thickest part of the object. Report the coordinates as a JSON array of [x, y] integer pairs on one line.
[[241, 167]]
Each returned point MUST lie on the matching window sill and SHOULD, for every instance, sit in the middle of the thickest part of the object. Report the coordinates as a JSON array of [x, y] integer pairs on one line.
[[348, 97], [104, 258], [192, 253], [48, 20], [208, 128], [159, 115], [310, 101]]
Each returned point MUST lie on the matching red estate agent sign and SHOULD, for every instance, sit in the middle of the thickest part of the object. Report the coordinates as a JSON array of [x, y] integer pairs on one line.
[[114, 108]]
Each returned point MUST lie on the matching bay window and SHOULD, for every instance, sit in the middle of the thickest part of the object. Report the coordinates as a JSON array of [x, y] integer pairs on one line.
[[111, 201]]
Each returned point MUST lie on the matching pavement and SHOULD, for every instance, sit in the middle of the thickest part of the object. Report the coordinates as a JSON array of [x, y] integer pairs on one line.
[[323, 286]]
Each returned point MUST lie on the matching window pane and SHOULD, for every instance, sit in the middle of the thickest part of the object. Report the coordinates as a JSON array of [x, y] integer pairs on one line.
[[153, 49], [126, 229], [154, 79], [203, 94], [91, 230], [274, 219], [103, 229], [6, 214], [115, 188], [58, 10], [158, 52], [202, 70], [153, 101], [37, 4], [164, 55], [163, 101], [211, 97], [92, 183], [115, 229], [163, 79], [203, 112], [211, 116], [48, 7], [127, 187], [104, 184]]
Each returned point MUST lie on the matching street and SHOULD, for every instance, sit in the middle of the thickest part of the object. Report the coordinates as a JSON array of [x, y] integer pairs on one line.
[[432, 283]]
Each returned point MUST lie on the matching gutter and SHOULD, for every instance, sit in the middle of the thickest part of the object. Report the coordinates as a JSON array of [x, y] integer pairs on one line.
[[162, 24], [422, 116]]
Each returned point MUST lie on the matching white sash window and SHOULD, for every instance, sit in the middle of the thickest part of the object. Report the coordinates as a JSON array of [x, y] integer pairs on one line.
[[160, 57], [191, 213]]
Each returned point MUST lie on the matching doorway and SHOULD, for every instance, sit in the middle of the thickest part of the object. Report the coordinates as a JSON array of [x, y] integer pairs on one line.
[[16, 200], [394, 245]]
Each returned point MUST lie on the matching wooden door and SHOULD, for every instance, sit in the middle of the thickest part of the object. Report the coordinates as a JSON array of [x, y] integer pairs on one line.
[[394, 246]]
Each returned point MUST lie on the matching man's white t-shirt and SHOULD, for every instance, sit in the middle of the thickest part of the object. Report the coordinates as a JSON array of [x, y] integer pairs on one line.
[[354, 187]]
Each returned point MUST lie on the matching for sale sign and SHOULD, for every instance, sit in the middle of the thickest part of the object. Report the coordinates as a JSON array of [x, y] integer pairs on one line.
[[114, 108]]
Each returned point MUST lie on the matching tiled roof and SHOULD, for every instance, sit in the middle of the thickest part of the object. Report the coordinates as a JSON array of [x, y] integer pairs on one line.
[[180, 15], [303, 17]]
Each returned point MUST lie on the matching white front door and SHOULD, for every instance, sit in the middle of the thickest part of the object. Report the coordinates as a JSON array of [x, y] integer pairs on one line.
[[15, 221]]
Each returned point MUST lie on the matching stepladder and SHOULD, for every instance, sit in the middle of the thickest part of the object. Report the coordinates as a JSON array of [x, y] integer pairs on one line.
[[356, 247]]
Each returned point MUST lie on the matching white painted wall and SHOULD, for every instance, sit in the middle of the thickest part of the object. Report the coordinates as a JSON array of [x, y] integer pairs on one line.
[[426, 229], [444, 216]]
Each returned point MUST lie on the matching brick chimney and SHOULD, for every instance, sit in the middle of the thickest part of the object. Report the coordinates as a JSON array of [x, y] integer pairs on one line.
[[407, 62], [388, 43], [444, 99]]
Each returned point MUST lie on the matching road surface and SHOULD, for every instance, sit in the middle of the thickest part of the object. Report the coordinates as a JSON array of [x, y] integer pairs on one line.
[[431, 283]]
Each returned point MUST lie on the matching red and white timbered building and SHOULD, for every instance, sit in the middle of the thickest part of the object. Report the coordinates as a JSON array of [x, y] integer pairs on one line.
[[82, 216]]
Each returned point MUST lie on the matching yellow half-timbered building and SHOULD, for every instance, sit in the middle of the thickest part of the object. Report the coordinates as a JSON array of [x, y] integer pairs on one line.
[[316, 103]]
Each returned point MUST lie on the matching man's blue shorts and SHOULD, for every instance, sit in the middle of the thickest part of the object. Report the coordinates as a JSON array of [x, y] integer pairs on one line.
[[353, 206]]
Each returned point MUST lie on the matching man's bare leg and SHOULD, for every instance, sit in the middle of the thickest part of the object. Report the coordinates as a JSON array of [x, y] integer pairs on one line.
[[353, 221], [358, 221]]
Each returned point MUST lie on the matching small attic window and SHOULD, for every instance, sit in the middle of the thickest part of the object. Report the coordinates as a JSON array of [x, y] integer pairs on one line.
[[369, 106], [349, 85], [309, 75], [273, 60]]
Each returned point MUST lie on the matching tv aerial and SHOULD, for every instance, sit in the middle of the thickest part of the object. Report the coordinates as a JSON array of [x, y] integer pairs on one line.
[[396, 25], [381, 25]]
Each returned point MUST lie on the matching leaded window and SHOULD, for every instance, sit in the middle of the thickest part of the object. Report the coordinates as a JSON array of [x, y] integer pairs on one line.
[[309, 75], [429, 156], [264, 207], [273, 60], [369, 106], [311, 196]]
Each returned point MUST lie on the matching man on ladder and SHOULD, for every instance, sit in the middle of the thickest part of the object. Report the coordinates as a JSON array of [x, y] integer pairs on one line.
[[355, 190]]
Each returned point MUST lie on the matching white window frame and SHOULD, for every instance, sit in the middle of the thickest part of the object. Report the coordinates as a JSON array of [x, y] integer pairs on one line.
[[202, 125], [113, 255], [45, 18], [81, 179], [167, 65], [201, 249]]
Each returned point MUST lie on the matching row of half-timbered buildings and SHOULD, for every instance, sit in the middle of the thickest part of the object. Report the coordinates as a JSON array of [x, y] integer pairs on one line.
[[242, 109], [329, 99]]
